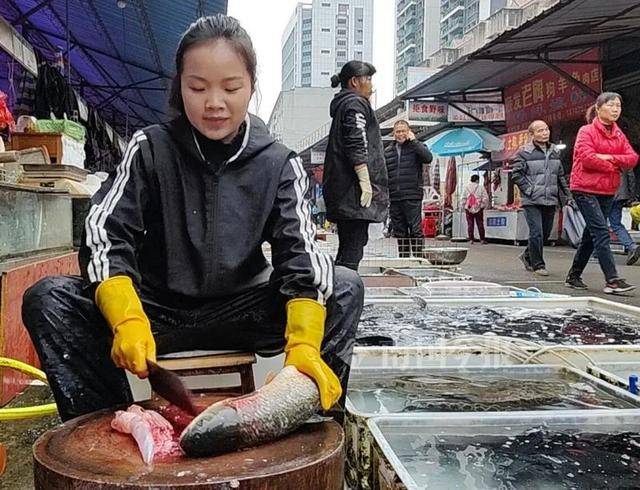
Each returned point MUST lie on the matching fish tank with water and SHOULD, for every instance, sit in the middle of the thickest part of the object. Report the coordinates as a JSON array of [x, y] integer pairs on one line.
[[375, 391], [422, 324], [561, 450]]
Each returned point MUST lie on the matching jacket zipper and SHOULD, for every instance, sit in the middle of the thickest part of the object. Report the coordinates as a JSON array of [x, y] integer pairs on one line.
[[399, 154], [214, 212]]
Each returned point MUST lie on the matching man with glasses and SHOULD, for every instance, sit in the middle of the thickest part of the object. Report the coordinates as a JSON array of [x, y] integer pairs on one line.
[[405, 158]]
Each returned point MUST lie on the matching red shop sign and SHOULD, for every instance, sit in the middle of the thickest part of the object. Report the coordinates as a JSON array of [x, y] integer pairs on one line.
[[551, 97], [512, 143]]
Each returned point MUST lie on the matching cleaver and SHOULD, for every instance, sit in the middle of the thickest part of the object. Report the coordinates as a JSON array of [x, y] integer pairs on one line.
[[169, 386]]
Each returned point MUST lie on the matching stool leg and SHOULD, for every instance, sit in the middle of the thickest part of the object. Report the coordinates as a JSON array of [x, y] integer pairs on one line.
[[246, 380]]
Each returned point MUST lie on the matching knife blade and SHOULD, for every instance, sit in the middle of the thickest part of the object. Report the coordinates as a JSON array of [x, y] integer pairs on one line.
[[169, 386]]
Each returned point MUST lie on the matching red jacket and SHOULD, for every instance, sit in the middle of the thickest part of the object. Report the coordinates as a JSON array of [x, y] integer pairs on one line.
[[596, 176]]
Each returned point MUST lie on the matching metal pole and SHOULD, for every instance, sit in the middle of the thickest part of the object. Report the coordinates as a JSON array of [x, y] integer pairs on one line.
[[66, 6]]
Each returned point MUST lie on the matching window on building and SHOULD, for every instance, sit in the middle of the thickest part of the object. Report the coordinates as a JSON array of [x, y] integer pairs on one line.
[[341, 42], [325, 51], [324, 73], [341, 54], [326, 4], [325, 29], [342, 21], [341, 32], [358, 55], [343, 8]]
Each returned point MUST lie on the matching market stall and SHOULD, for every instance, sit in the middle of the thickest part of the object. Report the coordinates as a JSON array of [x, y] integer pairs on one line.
[[454, 143]]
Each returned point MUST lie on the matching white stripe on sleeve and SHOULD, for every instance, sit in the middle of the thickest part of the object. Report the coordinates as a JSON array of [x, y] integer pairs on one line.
[[97, 237], [321, 264]]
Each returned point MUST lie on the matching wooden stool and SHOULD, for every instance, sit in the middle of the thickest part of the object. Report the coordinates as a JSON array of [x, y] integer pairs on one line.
[[213, 362]]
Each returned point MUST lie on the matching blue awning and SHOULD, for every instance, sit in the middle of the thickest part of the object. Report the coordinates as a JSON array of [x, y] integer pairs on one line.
[[461, 141], [121, 58]]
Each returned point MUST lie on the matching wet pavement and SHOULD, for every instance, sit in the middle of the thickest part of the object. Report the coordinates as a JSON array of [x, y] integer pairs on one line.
[[19, 435], [500, 263]]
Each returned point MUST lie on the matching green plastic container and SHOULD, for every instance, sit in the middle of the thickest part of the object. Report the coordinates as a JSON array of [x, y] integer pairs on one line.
[[70, 128]]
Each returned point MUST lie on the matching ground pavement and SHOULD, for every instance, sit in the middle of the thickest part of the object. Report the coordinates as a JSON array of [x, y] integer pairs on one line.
[[499, 263]]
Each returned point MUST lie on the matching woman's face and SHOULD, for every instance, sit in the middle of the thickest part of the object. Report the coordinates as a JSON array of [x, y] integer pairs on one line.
[[363, 86], [610, 111], [216, 89]]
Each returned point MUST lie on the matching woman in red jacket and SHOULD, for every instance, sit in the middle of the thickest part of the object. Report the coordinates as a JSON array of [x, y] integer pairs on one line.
[[600, 154]]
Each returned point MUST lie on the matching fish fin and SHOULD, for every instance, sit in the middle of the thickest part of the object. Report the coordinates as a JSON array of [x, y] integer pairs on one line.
[[316, 418]]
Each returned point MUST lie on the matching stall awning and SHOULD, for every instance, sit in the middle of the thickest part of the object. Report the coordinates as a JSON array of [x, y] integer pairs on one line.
[[121, 58], [568, 25], [467, 76], [555, 36]]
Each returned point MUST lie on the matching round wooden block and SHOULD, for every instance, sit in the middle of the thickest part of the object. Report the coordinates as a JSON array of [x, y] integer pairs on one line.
[[85, 453]]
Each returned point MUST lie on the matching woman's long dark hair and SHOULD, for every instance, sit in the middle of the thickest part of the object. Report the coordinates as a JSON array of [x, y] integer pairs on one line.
[[353, 68], [211, 28], [602, 99]]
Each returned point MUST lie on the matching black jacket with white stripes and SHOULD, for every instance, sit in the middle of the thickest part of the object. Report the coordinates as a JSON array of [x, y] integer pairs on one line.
[[354, 139], [186, 231]]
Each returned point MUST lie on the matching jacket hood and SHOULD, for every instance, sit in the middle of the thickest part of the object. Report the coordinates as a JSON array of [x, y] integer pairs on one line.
[[341, 97], [255, 139]]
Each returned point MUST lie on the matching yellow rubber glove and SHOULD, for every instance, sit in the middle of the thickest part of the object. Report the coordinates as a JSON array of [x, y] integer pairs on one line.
[[304, 333], [133, 341]]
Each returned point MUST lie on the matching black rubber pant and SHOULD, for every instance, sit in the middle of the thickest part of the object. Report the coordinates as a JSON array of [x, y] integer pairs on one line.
[[73, 340]]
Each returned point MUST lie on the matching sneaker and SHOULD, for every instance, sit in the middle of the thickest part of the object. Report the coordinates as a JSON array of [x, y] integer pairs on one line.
[[484, 242], [542, 271], [575, 283], [526, 263], [633, 256], [617, 286]]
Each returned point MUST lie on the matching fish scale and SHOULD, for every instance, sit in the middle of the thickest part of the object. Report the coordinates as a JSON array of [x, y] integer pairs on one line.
[[274, 410]]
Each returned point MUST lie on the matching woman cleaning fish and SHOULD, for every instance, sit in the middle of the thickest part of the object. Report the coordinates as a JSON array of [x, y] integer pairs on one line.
[[172, 254]]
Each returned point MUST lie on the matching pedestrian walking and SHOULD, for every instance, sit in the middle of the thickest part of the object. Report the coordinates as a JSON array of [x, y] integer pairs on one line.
[[405, 158], [322, 210], [601, 153], [540, 177], [474, 201], [355, 176], [172, 255], [626, 193]]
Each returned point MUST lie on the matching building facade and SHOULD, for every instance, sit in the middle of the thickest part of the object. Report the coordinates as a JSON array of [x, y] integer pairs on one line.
[[417, 36], [460, 16], [318, 40], [321, 37], [481, 21], [298, 112]]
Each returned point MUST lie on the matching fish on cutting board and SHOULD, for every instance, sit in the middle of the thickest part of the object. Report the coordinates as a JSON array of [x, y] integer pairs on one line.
[[272, 411]]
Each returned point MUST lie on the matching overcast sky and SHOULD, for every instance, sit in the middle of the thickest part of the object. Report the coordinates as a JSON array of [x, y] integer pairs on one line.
[[265, 20]]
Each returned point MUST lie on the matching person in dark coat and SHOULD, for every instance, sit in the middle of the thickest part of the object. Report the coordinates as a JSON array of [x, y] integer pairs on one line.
[[355, 176], [538, 173], [172, 254], [405, 158]]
